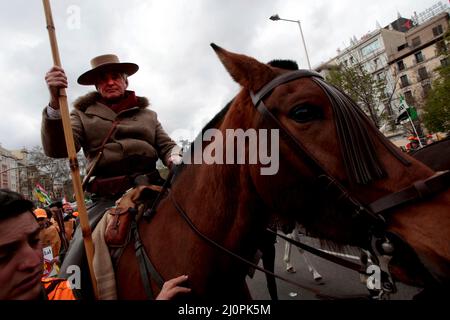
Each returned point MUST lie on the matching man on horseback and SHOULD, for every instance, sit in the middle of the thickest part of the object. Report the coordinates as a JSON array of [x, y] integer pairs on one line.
[[121, 137]]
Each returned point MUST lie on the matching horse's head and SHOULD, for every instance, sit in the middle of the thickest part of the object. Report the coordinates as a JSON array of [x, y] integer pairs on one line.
[[331, 158]]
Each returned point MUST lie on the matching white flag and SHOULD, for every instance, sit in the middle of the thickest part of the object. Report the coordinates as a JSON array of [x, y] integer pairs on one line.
[[403, 106]]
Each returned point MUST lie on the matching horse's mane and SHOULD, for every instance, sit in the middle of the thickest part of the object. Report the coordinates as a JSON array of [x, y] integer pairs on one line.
[[357, 147]]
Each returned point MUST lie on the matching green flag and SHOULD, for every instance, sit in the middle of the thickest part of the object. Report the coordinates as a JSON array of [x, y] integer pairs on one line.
[[412, 112], [405, 111]]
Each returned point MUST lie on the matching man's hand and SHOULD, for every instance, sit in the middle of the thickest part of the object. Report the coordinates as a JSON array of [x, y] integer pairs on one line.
[[175, 159], [55, 79], [170, 288]]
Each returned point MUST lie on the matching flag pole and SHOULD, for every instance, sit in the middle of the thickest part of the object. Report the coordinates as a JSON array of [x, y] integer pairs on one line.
[[71, 151], [404, 104], [414, 128]]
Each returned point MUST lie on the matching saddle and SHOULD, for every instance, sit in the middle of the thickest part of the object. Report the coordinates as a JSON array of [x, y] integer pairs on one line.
[[119, 228], [127, 208], [112, 234]]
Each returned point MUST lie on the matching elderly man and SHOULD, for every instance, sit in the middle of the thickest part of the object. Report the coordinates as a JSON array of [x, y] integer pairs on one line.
[[21, 257], [120, 135]]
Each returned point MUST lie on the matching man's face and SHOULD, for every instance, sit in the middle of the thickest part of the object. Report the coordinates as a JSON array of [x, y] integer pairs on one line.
[[111, 85], [67, 209], [21, 258]]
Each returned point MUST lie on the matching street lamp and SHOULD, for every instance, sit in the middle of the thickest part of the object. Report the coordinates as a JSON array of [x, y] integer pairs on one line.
[[275, 17]]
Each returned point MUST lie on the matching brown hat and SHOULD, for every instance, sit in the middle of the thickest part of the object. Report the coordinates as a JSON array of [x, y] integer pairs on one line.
[[106, 62]]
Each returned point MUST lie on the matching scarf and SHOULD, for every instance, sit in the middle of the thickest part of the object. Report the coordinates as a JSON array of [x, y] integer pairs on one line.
[[128, 101]]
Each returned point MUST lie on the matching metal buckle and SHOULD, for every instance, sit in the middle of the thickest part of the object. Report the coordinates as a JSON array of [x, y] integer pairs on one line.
[[383, 250]]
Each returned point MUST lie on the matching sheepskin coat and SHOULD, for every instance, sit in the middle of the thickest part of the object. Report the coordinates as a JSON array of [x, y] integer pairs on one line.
[[134, 147]]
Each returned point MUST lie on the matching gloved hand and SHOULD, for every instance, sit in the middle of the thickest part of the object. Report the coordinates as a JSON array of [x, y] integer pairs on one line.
[[175, 159]]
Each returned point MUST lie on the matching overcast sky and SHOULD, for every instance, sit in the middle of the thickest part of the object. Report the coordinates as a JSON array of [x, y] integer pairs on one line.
[[169, 40]]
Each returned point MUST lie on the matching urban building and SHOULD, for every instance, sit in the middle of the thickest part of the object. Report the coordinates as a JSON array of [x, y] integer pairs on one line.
[[404, 55], [9, 177], [417, 58]]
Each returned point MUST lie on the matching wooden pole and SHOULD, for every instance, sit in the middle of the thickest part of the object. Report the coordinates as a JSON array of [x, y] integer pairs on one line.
[[71, 151]]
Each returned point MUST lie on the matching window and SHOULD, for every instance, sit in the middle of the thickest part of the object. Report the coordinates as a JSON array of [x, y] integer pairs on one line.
[[409, 97], [4, 182], [403, 46], [423, 74], [375, 62], [426, 89], [415, 42], [404, 81], [371, 47], [441, 47], [400, 65], [351, 60], [445, 62], [437, 30], [380, 76], [419, 57]]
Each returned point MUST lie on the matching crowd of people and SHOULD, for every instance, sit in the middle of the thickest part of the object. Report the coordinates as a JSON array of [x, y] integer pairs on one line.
[[58, 223], [415, 143]]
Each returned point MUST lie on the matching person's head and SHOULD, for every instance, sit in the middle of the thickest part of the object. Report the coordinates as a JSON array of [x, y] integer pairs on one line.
[[21, 257], [109, 75], [67, 208], [41, 217], [54, 208], [111, 85]]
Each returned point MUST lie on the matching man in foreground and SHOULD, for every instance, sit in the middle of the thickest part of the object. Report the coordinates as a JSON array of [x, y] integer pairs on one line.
[[21, 257]]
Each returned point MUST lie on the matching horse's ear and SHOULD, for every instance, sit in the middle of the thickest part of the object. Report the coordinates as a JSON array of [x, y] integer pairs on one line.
[[247, 71]]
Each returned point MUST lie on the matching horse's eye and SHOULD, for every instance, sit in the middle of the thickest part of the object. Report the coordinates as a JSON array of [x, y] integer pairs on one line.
[[305, 112]]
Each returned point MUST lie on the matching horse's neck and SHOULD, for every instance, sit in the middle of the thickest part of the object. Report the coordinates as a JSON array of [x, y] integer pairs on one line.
[[219, 198], [218, 201]]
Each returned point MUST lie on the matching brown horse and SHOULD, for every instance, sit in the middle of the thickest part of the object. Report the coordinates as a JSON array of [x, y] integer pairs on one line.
[[338, 177]]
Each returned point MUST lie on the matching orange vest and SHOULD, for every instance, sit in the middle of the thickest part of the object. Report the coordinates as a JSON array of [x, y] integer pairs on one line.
[[50, 237], [57, 289]]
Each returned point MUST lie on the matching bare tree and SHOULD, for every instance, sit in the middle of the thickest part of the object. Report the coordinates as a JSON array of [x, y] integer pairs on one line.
[[56, 169]]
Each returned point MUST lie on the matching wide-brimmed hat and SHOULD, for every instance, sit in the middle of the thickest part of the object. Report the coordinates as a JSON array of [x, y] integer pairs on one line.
[[106, 62]]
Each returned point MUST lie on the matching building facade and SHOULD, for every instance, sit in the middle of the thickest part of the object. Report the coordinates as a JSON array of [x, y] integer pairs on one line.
[[417, 58], [372, 52], [404, 55], [9, 176]]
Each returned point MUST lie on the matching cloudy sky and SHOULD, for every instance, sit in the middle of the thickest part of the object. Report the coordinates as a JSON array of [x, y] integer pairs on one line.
[[169, 40]]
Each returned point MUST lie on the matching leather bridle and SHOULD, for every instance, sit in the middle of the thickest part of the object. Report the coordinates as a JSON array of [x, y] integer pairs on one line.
[[373, 213]]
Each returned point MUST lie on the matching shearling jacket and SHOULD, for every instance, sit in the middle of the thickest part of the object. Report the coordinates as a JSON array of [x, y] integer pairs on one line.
[[134, 147]]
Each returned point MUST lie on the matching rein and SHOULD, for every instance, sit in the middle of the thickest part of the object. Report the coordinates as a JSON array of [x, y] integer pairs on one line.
[[340, 261], [146, 266], [186, 218]]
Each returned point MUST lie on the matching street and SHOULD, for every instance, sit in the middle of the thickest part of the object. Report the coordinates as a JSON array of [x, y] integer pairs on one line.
[[336, 280]]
